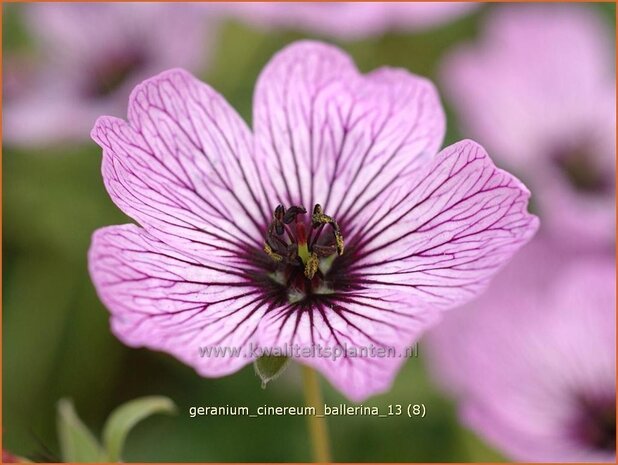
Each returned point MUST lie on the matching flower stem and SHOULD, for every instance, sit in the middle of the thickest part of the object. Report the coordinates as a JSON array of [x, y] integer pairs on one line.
[[317, 425]]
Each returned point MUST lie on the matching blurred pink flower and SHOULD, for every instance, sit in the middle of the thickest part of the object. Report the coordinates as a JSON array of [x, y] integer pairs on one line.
[[350, 20], [539, 91], [18, 73], [218, 261], [532, 362], [7, 457], [90, 57]]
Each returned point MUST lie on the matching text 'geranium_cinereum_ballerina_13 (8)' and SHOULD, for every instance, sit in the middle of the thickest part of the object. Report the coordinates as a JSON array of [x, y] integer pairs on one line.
[[335, 222]]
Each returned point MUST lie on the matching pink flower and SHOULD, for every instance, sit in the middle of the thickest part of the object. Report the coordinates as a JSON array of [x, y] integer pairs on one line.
[[7, 457], [539, 91], [532, 362], [350, 20], [92, 55], [235, 247]]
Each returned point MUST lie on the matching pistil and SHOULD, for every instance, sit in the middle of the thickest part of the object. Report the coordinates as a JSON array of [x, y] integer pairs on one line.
[[288, 244], [301, 238]]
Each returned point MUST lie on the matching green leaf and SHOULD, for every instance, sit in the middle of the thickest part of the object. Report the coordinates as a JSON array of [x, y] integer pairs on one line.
[[77, 443], [269, 367], [477, 450], [125, 417]]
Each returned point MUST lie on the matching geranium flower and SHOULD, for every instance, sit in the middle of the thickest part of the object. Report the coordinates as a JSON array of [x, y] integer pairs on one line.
[[532, 362], [334, 224], [91, 56], [539, 90], [350, 20], [7, 457]]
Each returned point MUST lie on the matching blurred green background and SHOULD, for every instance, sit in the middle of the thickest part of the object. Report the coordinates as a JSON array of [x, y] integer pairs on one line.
[[56, 339]]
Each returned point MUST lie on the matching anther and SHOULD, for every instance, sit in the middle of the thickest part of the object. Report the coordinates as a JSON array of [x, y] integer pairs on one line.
[[287, 241], [313, 262], [324, 250], [272, 254], [318, 218], [292, 212], [278, 218]]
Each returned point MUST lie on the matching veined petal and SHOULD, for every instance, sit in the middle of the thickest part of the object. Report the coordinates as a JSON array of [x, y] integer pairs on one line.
[[168, 300], [442, 235], [183, 166], [330, 135], [423, 231], [357, 340]]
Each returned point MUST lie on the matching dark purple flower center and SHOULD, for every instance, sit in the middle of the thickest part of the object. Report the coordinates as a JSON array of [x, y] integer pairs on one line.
[[595, 424], [303, 249], [109, 73], [579, 168]]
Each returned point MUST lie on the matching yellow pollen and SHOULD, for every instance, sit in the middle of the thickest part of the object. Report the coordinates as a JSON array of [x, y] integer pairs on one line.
[[311, 266]]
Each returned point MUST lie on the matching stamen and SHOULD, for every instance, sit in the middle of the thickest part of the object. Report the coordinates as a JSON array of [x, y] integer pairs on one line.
[[292, 213], [319, 219], [311, 266], [289, 233], [269, 251], [291, 248], [338, 240], [278, 219], [324, 250]]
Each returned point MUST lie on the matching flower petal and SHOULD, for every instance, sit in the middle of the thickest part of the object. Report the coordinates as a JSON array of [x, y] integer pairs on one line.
[[348, 20], [357, 340], [76, 36], [537, 89], [538, 73], [183, 166], [79, 47], [442, 235], [521, 358], [335, 137], [170, 301]]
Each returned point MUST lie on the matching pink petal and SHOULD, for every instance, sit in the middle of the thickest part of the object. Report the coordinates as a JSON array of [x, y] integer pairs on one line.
[[76, 34], [540, 83], [424, 231], [443, 233], [41, 118], [349, 20], [334, 137], [540, 72], [183, 167], [518, 358], [383, 319], [168, 300], [76, 40]]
